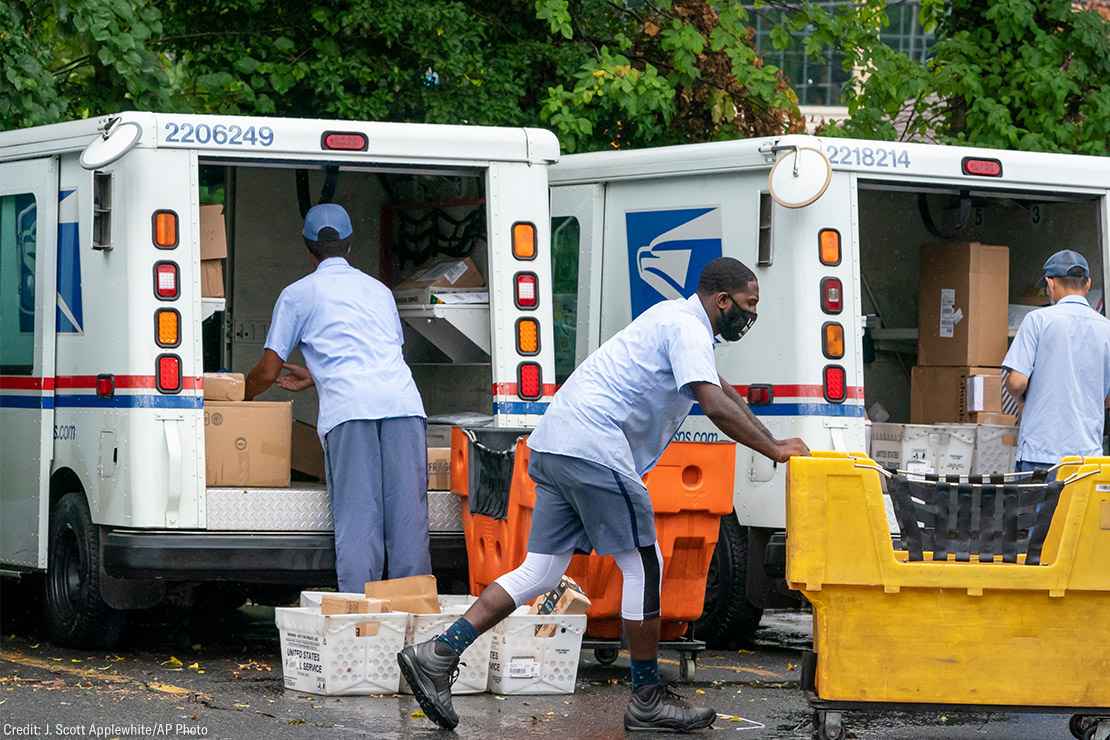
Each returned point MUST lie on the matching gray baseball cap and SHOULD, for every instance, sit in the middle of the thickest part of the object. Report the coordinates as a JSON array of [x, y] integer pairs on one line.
[[1063, 262]]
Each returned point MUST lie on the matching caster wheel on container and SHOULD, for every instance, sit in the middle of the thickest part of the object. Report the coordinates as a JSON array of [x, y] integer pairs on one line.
[[828, 726], [1097, 729], [605, 656], [1078, 725], [687, 668]]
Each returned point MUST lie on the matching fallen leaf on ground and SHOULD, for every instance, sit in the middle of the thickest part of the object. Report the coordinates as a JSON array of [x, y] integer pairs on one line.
[[237, 705], [173, 662], [700, 691], [296, 721], [791, 667], [417, 714], [166, 688], [194, 666], [76, 660]]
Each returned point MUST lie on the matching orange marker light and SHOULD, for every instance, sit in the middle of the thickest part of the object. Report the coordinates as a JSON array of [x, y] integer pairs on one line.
[[168, 324], [828, 241], [528, 337], [165, 229], [524, 241], [832, 340]]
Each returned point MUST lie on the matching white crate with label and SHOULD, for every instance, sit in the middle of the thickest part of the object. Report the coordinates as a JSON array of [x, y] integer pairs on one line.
[[341, 654], [523, 663]]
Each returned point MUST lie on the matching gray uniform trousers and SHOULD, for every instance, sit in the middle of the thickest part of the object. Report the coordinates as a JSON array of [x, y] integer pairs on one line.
[[377, 472]]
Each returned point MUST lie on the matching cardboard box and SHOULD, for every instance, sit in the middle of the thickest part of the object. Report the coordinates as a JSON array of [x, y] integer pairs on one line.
[[308, 453], [212, 278], [567, 598], [446, 274], [213, 233], [336, 604], [940, 394], [224, 386], [415, 594], [439, 468], [248, 443], [962, 309], [446, 296], [992, 419]]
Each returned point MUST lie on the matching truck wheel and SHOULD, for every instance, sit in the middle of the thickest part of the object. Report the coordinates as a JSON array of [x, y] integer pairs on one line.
[[728, 618], [76, 615]]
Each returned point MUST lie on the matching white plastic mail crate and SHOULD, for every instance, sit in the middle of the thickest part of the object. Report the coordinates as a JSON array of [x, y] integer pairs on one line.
[[321, 654], [522, 663], [474, 663]]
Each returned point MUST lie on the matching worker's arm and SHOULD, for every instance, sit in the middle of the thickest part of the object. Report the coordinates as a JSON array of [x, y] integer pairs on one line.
[[743, 404], [1017, 383], [739, 424], [295, 378], [264, 374]]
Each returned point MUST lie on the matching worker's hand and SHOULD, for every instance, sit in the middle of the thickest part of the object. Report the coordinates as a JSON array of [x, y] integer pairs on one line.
[[295, 378], [788, 448]]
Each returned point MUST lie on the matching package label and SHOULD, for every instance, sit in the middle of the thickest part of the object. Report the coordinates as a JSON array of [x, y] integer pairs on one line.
[[450, 271], [526, 667], [948, 310]]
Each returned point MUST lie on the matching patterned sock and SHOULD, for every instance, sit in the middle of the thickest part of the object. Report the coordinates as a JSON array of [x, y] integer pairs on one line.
[[458, 636], [645, 673]]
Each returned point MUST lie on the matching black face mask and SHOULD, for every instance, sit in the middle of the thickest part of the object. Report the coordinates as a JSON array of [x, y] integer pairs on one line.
[[735, 322]]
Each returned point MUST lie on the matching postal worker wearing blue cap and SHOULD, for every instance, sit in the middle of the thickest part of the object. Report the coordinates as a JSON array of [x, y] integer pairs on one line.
[[1059, 363], [371, 419]]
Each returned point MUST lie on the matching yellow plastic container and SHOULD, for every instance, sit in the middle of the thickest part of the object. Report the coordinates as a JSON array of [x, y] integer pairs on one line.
[[887, 630]]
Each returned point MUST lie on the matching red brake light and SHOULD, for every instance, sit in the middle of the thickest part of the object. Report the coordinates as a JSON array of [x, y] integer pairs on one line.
[[832, 295], [760, 395], [982, 167], [105, 386], [836, 384], [526, 290], [169, 374], [529, 381], [166, 281], [349, 141]]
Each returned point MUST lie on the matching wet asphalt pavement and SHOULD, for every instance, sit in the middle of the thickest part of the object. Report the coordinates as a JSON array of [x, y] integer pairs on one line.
[[186, 673]]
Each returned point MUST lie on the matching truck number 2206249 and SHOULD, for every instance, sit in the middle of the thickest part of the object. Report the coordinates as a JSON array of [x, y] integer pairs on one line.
[[219, 134]]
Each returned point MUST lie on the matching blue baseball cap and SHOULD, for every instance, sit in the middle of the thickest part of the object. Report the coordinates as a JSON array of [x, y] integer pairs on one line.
[[1063, 262], [327, 215]]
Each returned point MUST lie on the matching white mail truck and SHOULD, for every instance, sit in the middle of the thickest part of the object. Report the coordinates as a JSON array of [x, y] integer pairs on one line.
[[106, 333], [834, 230]]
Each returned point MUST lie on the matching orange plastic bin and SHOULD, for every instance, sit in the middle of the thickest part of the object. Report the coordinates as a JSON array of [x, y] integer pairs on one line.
[[690, 489]]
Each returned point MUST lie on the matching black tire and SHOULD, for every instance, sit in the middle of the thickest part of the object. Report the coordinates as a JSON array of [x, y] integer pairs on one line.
[[76, 615], [606, 656], [728, 619]]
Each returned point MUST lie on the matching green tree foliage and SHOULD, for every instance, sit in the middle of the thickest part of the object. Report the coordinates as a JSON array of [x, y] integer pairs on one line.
[[1012, 74], [74, 58]]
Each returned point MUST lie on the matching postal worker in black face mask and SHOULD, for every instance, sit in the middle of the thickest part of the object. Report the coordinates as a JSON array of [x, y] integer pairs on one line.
[[606, 428]]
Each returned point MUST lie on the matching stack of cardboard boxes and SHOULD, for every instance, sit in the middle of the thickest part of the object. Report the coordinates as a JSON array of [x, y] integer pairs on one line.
[[213, 251], [957, 383]]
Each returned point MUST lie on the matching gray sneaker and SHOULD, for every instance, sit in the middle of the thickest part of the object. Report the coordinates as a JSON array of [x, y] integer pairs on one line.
[[658, 708], [430, 676]]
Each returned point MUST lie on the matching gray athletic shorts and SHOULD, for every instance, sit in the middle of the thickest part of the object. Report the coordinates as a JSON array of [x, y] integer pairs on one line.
[[584, 506]]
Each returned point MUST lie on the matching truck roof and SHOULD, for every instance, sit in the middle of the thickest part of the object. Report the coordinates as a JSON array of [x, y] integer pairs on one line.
[[916, 161], [298, 137]]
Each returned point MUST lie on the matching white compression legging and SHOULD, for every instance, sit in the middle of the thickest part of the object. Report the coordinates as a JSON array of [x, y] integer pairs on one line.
[[642, 570]]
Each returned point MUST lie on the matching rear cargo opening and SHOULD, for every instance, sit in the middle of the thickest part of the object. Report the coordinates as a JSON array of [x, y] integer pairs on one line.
[[896, 225], [405, 221]]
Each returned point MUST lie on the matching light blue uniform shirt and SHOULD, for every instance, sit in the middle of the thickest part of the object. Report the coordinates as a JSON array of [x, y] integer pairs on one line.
[[1065, 351], [347, 327], [622, 406]]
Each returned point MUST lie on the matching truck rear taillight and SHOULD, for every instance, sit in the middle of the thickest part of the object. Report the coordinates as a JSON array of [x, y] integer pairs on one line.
[[168, 375], [528, 337], [832, 340], [832, 295], [828, 247], [166, 281], [526, 290], [524, 240], [981, 167], [344, 141], [836, 384], [167, 327], [165, 229], [529, 381], [105, 386], [760, 395]]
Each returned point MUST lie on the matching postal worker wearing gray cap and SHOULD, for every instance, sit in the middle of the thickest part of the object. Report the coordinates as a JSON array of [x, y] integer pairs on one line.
[[371, 421], [1059, 363]]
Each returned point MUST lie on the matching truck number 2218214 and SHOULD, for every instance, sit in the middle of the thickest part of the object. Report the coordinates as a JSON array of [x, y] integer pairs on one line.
[[867, 157]]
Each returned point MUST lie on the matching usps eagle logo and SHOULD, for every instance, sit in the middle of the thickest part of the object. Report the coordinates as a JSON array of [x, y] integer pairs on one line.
[[667, 251]]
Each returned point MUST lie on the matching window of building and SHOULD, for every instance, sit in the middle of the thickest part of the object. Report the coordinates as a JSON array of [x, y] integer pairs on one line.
[[18, 239]]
